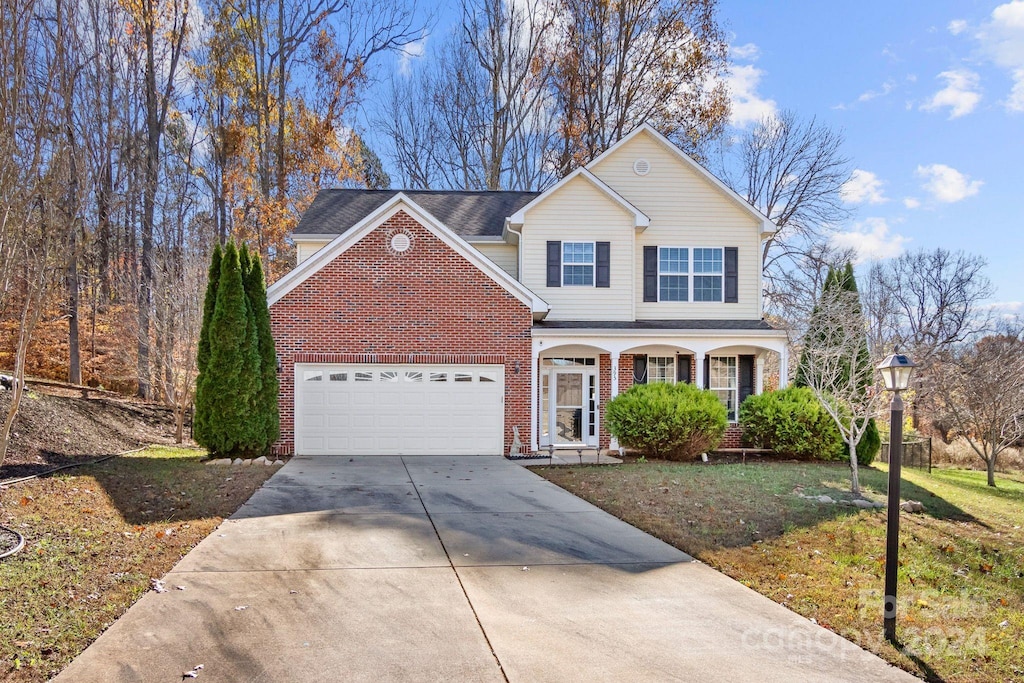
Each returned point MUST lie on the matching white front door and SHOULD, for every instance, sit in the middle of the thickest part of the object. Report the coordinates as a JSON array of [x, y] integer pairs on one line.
[[569, 406], [399, 409]]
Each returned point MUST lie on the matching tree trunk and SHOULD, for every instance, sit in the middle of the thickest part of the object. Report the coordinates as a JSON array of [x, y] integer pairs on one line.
[[854, 474], [74, 346], [990, 466], [179, 423]]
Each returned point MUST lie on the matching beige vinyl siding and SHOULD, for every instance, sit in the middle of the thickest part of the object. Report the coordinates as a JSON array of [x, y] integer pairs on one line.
[[306, 248], [505, 256], [686, 210], [579, 212]]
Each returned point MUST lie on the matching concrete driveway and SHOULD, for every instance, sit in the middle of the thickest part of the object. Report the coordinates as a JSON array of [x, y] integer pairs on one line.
[[452, 569]]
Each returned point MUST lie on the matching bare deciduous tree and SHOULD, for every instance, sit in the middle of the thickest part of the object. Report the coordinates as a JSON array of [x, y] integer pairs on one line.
[[836, 372], [980, 387], [792, 170], [478, 116], [621, 64]]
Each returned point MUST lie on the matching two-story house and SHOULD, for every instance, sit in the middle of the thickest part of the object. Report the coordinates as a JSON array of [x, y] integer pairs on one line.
[[445, 322]]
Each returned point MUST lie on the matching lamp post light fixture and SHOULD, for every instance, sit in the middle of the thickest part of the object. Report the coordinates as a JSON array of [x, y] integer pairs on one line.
[[896, 371]]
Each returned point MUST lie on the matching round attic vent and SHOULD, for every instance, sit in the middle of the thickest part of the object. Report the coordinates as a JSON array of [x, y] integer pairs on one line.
[[641, 167], [400, 242]]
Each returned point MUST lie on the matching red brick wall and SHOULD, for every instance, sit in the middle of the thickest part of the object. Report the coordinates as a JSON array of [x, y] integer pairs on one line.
[[428, 302], [733, 436]]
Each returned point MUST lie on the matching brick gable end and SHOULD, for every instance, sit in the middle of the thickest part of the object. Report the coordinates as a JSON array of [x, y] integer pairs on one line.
[[371, 304]]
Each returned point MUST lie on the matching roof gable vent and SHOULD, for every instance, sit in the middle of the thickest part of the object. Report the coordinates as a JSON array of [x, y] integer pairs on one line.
[[641, 167]]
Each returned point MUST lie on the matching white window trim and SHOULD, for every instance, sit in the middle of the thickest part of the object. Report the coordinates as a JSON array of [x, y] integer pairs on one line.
[[690, 274], [592, 264], [736, 390]]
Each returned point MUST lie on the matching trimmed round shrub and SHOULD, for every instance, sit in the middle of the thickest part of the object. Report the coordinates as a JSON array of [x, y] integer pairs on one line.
[[793, 423], [671, 421]]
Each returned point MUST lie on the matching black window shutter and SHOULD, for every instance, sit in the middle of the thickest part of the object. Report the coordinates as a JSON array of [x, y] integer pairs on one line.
[[639, 369], [650, 273], [554, 264], [732, 275], [746, 377], [603, 269], [707, 372], [683, 368]]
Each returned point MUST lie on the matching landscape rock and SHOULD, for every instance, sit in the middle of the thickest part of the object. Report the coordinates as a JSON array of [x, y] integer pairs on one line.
[[825, 499], [277, 462], [912, 506], [237, 461], [866, 504], [262, 460], [219, 461]]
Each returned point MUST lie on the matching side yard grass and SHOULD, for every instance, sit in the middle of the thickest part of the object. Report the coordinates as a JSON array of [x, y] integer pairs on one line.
[[961, 600], [94, 537]]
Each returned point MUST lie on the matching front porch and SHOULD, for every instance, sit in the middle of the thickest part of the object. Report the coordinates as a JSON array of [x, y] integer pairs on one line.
[[578, 368]]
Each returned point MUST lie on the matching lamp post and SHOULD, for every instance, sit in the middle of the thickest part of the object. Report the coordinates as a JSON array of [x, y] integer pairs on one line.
[[896, 371]]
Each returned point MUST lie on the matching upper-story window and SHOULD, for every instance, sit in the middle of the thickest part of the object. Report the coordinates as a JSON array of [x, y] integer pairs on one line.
[[707, 274], [578, 263], [675, 281]]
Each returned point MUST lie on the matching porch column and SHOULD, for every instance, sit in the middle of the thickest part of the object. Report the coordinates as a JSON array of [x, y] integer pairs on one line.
[[613, 443], [534, 383], [759, 374], [699, 379], [784, 367]]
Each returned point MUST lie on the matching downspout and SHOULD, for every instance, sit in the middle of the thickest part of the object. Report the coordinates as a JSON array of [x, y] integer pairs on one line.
[[519, 249]]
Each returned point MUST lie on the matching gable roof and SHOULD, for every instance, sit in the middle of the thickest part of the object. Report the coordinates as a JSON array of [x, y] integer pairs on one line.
[[468, 214], [400, 202], [767, 226], [640, 219]]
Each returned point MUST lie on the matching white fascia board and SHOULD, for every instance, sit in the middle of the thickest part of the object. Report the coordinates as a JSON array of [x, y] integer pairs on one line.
[[640, 219], [541, 332], [307, 237], [768, 228], [375, 219]]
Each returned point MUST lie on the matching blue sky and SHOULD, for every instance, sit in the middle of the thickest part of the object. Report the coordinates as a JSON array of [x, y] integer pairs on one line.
[[930, 97]]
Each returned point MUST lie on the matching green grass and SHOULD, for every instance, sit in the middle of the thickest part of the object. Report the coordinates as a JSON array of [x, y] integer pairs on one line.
[[95, 536], [961, 612]]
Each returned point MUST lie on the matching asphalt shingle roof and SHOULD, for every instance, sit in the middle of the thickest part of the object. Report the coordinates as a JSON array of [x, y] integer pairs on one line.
[[469, 214]]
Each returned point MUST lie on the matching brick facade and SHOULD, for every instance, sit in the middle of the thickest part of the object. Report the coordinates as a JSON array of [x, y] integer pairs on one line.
[[428, 304]]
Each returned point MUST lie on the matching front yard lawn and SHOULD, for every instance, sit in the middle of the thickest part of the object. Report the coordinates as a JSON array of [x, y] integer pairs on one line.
[[961, 599], [94, 537]]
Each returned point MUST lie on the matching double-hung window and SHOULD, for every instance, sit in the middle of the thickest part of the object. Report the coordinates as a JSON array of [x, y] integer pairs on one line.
[[707, 274], [578, 263], [724, 381], [686, 274], [673, 281]]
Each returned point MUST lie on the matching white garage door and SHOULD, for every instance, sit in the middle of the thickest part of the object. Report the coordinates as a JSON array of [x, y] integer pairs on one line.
[[399, 409]]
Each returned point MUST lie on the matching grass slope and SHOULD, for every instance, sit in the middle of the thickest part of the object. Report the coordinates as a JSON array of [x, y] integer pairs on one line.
[[95, 536], [960, 612]]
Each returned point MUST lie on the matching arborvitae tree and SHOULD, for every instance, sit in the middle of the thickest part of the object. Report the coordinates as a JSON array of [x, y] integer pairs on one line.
[[801, 379], [266, 405], [227, 386], [201, 415], [253, 437]]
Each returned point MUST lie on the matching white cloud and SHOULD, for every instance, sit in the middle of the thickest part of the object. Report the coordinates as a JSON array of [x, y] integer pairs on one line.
[[409, 52], [1015, 102], [749, 52], [886, 88], [957, 26], [863, 186], [946, 184], [961, 94], [871, 240], [1002, 41], [747, 105], [911, 202]]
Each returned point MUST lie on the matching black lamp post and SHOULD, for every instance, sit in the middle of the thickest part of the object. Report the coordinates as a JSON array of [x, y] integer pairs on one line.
[[896, 371]]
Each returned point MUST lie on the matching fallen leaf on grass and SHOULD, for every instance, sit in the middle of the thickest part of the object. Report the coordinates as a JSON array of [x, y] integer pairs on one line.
[[985, 568], [25, 500]]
